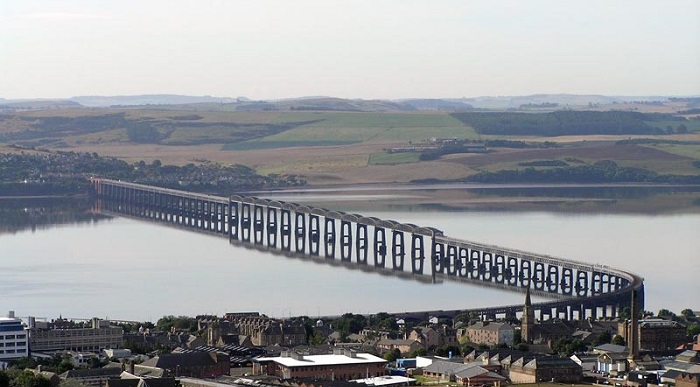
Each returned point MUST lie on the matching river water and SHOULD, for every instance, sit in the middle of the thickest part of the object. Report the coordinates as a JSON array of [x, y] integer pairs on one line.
[[62, 260]]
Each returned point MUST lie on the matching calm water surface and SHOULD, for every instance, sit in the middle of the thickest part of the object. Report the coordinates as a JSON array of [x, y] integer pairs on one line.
[[130, 269]]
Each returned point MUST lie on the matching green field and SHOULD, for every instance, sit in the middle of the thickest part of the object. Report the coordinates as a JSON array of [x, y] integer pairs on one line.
[[686, 150], [382, 120]]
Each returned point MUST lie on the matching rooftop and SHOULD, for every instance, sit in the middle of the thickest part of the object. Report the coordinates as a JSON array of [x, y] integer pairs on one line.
[[321, 360]]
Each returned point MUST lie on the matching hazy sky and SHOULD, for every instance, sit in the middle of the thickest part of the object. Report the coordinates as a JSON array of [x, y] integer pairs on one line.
[[353, 49]]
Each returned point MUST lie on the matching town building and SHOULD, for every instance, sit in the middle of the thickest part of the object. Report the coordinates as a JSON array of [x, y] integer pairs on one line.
[[404, 346], [194, 364], [587, 362], [472, 374], [62, 335], [343, 364], [92, 377], [14, 341], [560, 370], [655, 334], [260, 330], [426, 336], [127, 379], [491, 333]]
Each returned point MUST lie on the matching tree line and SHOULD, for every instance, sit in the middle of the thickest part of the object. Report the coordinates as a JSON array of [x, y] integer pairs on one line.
[[565, 122]]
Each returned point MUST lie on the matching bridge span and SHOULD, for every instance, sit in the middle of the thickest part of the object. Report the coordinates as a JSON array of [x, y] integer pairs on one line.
[[576, 289]]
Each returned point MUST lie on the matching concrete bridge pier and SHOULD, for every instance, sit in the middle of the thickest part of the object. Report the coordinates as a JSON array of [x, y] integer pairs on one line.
[[398, 251], [380, 249]]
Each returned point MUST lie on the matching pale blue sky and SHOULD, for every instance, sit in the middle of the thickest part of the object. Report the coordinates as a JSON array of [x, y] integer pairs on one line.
[[353, 48]]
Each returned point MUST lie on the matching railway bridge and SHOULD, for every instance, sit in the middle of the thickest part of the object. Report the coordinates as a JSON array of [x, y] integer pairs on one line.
[[573, 289]]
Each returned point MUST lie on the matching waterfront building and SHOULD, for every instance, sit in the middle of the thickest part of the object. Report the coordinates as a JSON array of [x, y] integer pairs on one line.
[[13, 338]]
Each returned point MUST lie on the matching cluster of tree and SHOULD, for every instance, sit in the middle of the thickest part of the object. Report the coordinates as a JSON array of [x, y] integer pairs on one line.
[[542, 105], [564, 122], [687, 317], [48, 173], [179, 323], [19, 378], [654, 141], [350, 323], [604, 171]]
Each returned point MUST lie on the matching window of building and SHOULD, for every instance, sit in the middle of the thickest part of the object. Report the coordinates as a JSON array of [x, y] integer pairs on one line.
[[21, 336], [10, 337]]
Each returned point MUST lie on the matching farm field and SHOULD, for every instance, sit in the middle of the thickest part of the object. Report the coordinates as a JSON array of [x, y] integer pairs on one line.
[[328, 147]]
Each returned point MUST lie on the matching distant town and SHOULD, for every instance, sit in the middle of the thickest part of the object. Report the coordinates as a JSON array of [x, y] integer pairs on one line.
[[252, 349]]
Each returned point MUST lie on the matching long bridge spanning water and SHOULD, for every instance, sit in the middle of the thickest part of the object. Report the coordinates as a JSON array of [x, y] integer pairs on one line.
[[576, 290]]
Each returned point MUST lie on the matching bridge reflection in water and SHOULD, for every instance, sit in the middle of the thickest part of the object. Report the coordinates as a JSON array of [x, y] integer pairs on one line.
[[578, 290]]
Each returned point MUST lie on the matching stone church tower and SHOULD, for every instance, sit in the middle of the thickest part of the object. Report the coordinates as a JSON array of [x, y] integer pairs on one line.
[[528, 320]]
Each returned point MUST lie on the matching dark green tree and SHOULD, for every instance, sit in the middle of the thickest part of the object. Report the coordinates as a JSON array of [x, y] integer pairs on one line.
[[688, 314], [693, 329], [392, 355], [4, 379], [618, 340], [418, 352], [29, 379], [604, 338]]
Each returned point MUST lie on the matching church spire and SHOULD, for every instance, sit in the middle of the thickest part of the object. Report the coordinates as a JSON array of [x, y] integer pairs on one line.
[[527, 297]]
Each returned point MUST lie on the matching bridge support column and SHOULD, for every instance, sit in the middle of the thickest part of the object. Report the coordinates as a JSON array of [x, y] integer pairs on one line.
[[329, 238], [245, 222], [258, 224], [300, 232], [362, 243], [398, 250], [234, 220], [286, 229], [272, 227], [379, 247], [451, 260], [417, 253], [314, 234], [346, 241]]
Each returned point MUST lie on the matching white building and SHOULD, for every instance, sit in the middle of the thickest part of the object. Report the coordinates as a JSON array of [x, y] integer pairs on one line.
[[14, 342]]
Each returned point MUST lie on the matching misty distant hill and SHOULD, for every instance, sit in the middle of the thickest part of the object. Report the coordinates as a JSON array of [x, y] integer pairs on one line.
[[37, 104], [151, 99], [541, 102], [562, 100], [437, 104], [327, 104]]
